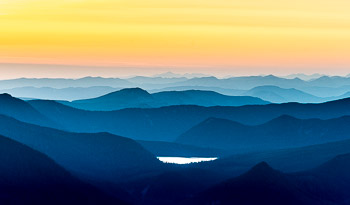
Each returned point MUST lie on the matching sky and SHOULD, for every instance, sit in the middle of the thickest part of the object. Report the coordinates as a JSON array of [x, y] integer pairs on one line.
[[48, 38]]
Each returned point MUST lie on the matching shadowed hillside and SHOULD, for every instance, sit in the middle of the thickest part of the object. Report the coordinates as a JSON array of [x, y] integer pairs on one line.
[[23, 111], [287, 160], [29, 177], [126, 98], [327, 184], [173, 186], [323, 86], [260, 185], [282, 132], [281, 95], [180, 150], [99, 156]]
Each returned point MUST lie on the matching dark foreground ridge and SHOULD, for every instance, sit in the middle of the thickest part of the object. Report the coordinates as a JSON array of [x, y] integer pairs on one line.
[[29, 177]]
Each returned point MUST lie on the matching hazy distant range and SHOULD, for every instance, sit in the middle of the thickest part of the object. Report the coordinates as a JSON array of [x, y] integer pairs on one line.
[[296, 88]]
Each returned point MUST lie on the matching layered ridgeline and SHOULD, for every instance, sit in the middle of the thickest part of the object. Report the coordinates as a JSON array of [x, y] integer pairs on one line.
[[30, 177], [269, 88], [282, 132], [323, 86], [276, 94], [268, 93], [326, 184], [138, 98], [247, 82], [63, 82], [287, 160], [97, 156], [167, 123], [21, 110]]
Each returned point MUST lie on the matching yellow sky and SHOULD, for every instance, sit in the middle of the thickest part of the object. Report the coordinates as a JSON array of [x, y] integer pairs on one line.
[[262, 35]]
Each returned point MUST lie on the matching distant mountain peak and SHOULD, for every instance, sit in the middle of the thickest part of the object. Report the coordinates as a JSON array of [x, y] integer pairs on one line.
[[335, 163], [262, 166], [286, 117], [175, 75], [209, 77], [261, 171], [273, 88], [323, 78], [304, 77], [125, 98], [133, 91], [270, 76], [91, 77], [167, 75], [137, 89]]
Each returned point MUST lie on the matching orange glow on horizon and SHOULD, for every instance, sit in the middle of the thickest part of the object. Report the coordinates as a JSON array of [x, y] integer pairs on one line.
[[198, 34]]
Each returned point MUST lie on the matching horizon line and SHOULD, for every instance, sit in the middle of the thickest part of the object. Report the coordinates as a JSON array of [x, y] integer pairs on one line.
[[183, 76], [153, 73]]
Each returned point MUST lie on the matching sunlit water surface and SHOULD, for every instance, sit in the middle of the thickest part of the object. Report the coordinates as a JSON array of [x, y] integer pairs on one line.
[[185, 160]]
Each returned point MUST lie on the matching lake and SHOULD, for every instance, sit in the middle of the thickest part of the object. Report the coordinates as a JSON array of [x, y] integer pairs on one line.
[[186, 160]]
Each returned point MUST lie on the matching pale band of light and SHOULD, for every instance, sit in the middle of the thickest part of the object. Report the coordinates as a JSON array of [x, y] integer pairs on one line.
[[185, 160]]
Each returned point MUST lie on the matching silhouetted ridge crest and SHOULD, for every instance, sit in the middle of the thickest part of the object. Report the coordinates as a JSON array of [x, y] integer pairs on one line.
[[271, 77], [139, 98], [336, 167], [215, 121], [8, 98], [284, 119], [5, 95], [132, 92], [260, 185], [262, 166], [261, 171], [284, 131], [22, 110], [343, 101]]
